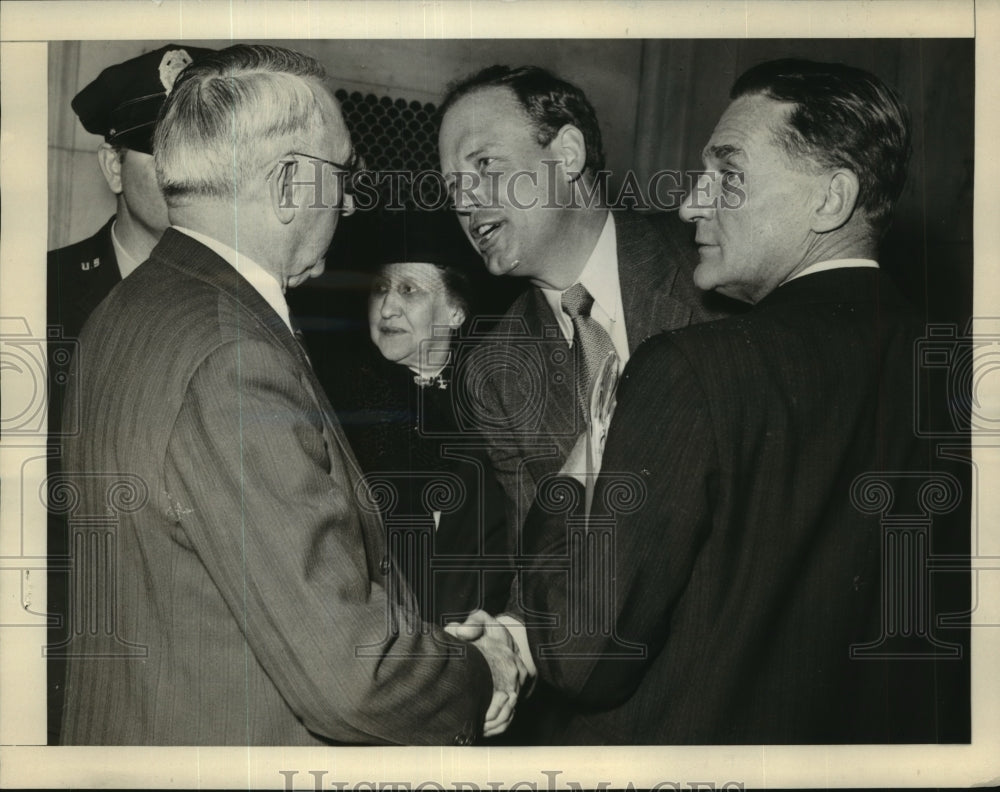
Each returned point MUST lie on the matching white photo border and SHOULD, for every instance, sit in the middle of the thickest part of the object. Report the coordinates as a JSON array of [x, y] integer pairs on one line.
[[24, 760]]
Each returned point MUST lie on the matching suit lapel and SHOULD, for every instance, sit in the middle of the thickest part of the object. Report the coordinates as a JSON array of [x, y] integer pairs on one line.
[[563, 417], [647, 272], [368, 512]]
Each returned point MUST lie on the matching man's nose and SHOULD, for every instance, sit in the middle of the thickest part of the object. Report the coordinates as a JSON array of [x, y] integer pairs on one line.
[[469, 192], [699, 203]]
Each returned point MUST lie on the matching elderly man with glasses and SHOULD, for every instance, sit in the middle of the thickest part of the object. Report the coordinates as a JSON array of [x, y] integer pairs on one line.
[[236, 586]]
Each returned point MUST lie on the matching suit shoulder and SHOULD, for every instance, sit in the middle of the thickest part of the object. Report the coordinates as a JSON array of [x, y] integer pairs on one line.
[[517, 321], [658, 348], [523, 304], [673, 235], [663, 358], [704, 341], [77, 251], [160, 300], [178, 326], [667, 224]]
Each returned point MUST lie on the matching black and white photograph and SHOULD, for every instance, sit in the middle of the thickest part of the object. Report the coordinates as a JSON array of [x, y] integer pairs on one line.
[[525, 395]]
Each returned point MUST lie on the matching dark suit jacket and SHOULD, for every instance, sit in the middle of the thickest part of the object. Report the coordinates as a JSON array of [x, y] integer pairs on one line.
[[524, 391], [745, 567], [406, 440], [79, 276], [242, 592]]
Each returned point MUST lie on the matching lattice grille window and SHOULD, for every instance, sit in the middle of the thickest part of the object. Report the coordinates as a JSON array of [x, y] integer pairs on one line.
[[393, 135]]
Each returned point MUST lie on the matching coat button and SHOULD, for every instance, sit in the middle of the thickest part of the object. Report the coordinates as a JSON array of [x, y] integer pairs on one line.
[[463, 739]]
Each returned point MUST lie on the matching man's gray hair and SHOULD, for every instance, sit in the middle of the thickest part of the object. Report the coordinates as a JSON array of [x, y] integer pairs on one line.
[[229, 114]]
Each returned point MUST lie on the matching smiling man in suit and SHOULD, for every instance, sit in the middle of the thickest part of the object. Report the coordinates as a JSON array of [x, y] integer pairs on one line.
[[522, 156], [243, 592], [747, 585], [521, 153]]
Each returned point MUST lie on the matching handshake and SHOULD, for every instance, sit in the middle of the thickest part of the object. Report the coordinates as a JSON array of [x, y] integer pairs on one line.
[[509, 659]]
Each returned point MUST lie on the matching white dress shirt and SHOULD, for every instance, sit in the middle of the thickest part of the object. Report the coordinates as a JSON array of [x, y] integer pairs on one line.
[[266, 285], [823, 266], [600, 278]]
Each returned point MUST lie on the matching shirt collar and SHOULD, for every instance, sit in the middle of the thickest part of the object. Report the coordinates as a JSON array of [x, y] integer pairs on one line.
[[263, 281], [599, 275], [823, 266], [126, 262]]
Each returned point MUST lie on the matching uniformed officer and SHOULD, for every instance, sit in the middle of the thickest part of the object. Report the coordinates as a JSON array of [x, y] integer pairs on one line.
[[122, 105]]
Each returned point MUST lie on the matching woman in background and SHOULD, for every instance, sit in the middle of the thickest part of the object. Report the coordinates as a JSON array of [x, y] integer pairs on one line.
[[442, 506]]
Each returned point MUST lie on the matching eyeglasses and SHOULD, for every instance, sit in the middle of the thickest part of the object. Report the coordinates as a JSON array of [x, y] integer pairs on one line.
[[350, 171]]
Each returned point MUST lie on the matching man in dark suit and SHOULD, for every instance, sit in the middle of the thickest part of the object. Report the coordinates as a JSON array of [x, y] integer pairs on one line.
[[231, 572], [522, 155], [763, 494], [121, 105]]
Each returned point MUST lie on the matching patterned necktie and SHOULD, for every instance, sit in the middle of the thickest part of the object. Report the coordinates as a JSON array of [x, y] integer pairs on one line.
[[593, 343]]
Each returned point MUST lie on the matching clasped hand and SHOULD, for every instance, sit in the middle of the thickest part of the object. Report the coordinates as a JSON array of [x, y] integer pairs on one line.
[[509, 671]]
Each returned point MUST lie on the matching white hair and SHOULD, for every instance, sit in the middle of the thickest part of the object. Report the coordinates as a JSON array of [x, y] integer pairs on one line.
[[229, 114]]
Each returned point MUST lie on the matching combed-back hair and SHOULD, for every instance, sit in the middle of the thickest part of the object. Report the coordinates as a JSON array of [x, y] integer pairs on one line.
[[549, 102], [229, 113], [843, 117]]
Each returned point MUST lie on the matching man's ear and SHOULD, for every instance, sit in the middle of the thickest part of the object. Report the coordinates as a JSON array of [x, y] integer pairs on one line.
[[457, 316], [571, 149], [280, 187], [110, 161], [348, 205], [839, 201]]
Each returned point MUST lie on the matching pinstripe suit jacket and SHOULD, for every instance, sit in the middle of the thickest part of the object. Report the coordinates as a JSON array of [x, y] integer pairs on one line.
[[231, 587], [741, 569], [525, 393]]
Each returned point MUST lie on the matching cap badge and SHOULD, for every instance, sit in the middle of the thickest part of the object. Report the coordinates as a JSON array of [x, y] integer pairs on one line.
[[173, 63]]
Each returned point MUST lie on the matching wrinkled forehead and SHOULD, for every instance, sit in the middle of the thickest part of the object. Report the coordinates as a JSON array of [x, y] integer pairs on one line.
[[418, 273], [749, 123]]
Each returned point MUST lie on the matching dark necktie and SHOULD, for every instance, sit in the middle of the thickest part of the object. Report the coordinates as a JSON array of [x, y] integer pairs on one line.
[[592, 342], [301, 340]]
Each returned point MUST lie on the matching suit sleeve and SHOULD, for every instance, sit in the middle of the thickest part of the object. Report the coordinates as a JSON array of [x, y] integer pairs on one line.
[[660, 454], [267, 505]]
